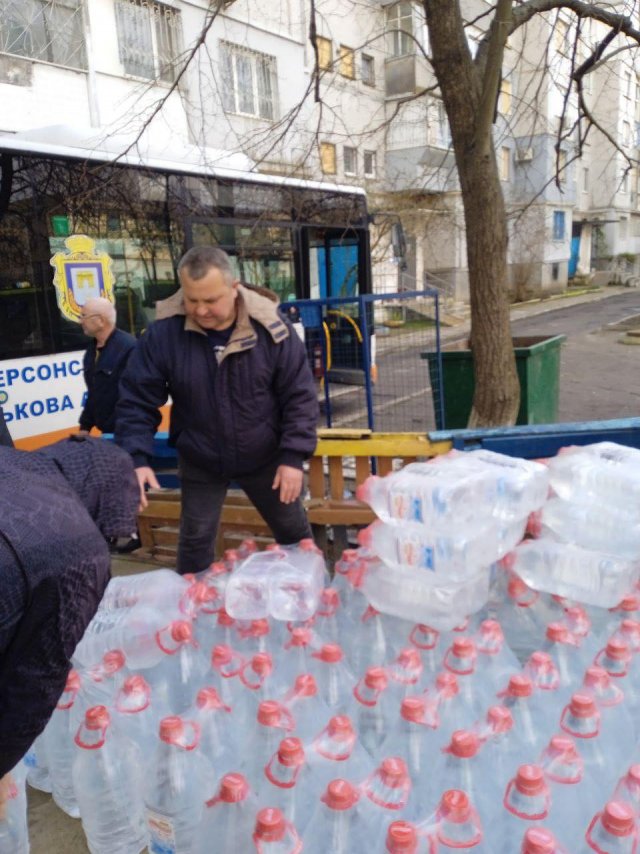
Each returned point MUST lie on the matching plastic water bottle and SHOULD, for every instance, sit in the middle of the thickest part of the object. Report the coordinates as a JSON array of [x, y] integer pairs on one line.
[[228, 818], [335, 753], [385, 793], [14, 832], [628, 788], [412, 739], [581, 720], [307, 707], [567, 655], [218, 728], [101, 683], [107, 779], [273, 834], [178, 675], [327, 619], [333, 676], [285, 783], [273, 721], [613, 830], [254, 636], [295, 656], [564, 771], [370, 709], [604, 471], [162, 588], [405, 674], [523, 615], [496, 662], [335, 825], [527, 800], [461, 660], [592, 526], [258, 677], [500, 743], [36, 761], [457, 767], [177, 782], [609, 696], [59, 735], [530, 724], [456, 824], [135, 715], [369, 643], [591, 577], [427, 641], [448, 707]]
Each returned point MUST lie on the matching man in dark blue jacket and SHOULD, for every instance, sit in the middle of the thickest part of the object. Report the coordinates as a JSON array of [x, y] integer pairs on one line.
[[104, 362], [244, 405]]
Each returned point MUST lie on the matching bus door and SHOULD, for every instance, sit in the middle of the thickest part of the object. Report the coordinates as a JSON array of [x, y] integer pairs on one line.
[[336, 269]]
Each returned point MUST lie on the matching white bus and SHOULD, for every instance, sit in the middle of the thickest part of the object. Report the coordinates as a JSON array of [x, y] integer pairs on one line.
[[144, 208]]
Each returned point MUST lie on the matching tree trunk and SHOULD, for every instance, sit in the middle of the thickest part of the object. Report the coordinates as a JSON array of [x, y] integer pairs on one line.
[[468, 91]]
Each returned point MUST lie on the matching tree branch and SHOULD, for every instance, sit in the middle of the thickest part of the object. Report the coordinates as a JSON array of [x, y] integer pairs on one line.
[[498, 35], [529, 9]]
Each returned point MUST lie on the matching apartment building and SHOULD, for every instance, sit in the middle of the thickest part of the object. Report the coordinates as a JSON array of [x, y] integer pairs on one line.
[[369, 118]]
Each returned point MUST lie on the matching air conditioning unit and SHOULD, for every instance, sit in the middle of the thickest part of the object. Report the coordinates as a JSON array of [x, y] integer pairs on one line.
[[524, 155]]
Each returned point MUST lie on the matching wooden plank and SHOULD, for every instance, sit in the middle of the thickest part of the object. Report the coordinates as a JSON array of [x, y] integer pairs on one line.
[[316, 477], [363, 469], [385, 465], [168, 509], [335, 516], [336, 477], [383, 444]]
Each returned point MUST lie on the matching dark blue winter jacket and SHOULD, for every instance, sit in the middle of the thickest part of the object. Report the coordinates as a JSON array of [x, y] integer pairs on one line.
[[102, 378], [234, 412]]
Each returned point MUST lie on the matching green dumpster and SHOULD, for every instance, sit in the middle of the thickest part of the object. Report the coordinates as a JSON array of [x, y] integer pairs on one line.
[[538, 366]]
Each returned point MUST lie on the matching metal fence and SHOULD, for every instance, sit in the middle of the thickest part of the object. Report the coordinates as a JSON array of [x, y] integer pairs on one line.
[[372, 357]]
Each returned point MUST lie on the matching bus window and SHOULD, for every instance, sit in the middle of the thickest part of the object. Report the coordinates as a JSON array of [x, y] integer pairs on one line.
[[260, 254]]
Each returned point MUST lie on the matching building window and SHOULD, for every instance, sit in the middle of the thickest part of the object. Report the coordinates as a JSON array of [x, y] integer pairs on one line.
[[149, 39], [585, 179], [325, 54], [368, 69], [370, 164], [626, 134], [400, 29], [439, 133], [41, 29], [562, 167], [350, 158], [624, 183], [249, 82], [347, 63], [504, 99], [558, 225], [623, 228], [561, 38], [504, 163], [555, 271], [328, 158]]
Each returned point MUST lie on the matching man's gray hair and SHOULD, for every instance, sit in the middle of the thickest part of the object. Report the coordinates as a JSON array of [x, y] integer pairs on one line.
[[198, 260], [104, 307]]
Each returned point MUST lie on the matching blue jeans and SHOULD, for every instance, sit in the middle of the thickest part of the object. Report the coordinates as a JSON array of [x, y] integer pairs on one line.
[[203, 495]]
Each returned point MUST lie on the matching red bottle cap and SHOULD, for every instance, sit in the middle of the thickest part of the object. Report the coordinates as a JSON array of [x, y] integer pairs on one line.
[[171, 729], [270, 825], [617, 649], [262, 663], [447, 684], [305, 686], [97, 717], [393, 772], [464, 743], [537, 840], [340, 795], [300, 637], [582, 706], [463, 648], [376, 678], [413, 709], [618, 818], [557, 632], [113, 660], [402, 838], [455, 806], [330, 653], [519, 686], [269, 712], [529, 780], [233, 788], [290, 752], [181, 631], [340, 727], [73, 681], [221, 654], [499, 718]]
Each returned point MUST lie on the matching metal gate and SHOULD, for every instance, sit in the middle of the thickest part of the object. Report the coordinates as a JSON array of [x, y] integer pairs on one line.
[[371, 356]]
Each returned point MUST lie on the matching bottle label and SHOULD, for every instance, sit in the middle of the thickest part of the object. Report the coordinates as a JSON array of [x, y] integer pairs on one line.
[[162, 837], [414, 553]]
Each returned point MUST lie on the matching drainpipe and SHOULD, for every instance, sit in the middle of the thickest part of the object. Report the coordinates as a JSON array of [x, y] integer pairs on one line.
[[92, 85]]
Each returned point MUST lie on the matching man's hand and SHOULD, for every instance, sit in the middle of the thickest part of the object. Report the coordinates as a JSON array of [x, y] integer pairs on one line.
[[289, 481], [146, 477], [6, 786]]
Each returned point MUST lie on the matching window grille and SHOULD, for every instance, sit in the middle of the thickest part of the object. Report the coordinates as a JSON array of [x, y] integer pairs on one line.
[[350, 157], [249, 82], [48, 30], [149, 38]]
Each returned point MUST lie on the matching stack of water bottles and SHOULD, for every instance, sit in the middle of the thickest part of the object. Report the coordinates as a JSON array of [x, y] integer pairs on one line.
[[587, 544], [192, 724], [442, 525]]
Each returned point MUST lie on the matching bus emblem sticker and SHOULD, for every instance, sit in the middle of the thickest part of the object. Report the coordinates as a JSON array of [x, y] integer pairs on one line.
[[81, 274]]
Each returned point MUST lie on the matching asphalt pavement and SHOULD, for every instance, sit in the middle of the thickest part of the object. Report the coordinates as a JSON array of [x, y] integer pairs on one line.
[[598, 380]]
